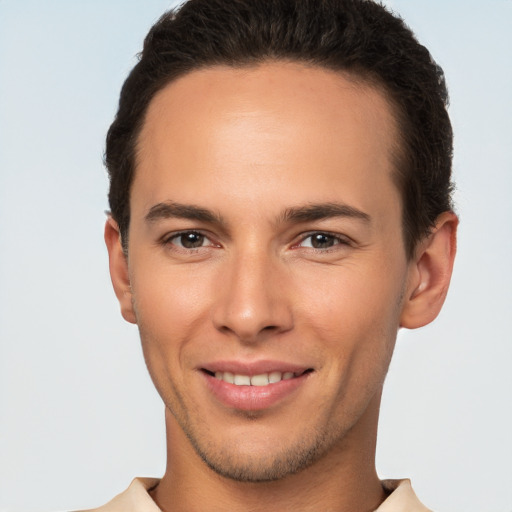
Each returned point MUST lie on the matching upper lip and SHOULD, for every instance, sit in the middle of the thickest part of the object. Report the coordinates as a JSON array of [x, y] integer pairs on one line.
[[253, 367]]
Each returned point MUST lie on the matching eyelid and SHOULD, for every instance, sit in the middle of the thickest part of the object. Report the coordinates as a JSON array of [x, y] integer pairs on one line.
[[168, 237], [341, 239]]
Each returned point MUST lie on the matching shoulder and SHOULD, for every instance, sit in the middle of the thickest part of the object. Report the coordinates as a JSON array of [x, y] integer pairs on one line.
[[402, 498], [134, 499]]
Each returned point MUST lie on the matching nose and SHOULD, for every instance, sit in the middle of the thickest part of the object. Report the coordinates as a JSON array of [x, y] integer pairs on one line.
[[252, 301]]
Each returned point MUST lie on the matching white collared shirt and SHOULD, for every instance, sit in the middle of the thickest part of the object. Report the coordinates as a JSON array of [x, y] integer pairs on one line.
[[137, 499]]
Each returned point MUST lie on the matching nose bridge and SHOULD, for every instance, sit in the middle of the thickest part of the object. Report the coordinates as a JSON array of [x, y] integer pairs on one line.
[[253, 296]]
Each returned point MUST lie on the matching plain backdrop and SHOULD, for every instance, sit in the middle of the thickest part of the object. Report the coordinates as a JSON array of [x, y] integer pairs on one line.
[[78, 414]]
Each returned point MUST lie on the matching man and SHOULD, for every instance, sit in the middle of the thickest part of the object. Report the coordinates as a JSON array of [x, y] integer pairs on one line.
[[280, 207]]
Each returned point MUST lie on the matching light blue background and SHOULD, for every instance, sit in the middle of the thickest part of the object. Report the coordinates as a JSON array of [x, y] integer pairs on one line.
[[78, 414]]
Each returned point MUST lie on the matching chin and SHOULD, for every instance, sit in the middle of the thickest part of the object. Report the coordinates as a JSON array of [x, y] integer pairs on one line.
[[275, 464]]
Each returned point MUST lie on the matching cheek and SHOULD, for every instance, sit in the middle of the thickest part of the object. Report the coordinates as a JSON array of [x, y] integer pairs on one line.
[[354, 309], [172, 307], [168, 294], [361, 292]]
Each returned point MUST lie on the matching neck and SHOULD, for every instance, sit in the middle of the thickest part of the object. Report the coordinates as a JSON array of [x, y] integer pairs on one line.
[[343, 480]]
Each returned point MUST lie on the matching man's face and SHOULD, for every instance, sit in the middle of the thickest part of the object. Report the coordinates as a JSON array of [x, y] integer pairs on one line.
[[265, 243]]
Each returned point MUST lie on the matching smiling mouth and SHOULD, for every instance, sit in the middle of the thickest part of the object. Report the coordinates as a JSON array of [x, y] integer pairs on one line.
[[262, 379]]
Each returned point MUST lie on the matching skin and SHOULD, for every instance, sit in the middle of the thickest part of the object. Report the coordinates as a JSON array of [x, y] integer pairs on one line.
[[260, 157]]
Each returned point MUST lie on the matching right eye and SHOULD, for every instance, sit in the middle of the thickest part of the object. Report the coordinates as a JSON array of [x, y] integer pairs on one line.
[[189, 240]]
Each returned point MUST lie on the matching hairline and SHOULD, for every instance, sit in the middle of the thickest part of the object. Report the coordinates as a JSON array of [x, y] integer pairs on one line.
[[398, 152]]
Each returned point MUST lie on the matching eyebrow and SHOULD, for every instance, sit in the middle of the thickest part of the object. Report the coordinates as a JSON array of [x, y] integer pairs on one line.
[[312, 212], [169, 209], [298, 214]]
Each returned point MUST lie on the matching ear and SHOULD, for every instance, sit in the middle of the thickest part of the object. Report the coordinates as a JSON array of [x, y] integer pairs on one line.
[[430, 273], [118, 265]]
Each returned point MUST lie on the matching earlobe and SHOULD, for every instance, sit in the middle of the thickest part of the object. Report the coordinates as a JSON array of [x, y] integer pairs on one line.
[[118, 266], [430, 274]]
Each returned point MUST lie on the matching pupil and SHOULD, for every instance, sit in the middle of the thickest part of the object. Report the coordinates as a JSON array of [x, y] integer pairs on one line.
[[321, 241], [192, 240]]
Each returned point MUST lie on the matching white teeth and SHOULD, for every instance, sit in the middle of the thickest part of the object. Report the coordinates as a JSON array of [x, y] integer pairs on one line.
[[274, 377], [242, 380], [259, 380], [225, 376], [263, 379]]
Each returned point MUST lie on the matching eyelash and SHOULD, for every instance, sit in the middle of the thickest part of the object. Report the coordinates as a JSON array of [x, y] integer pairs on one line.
[[336, 239], [168, 240]]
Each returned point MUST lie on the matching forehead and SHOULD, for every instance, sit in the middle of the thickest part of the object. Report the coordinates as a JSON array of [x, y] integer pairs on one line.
[[283, 129]]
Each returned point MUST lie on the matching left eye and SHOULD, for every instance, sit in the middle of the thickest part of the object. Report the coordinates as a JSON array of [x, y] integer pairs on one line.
[[321, 241], [189, 240]]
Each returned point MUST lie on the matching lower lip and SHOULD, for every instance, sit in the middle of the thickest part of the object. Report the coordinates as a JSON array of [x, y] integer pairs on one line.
[[253, 398]]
